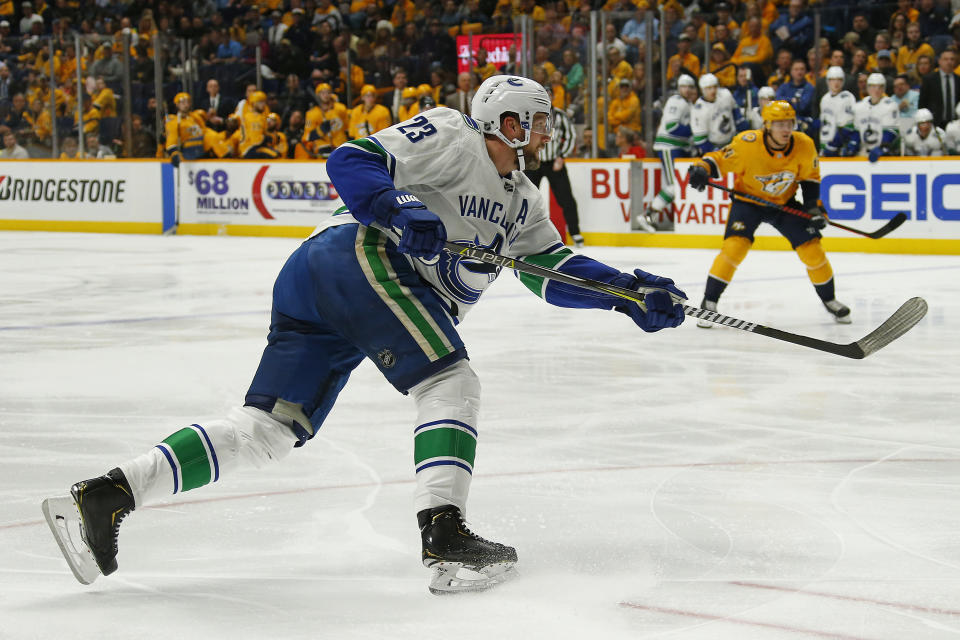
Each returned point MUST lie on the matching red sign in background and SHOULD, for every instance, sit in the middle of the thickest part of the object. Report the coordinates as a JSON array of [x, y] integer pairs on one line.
[[496, 44]]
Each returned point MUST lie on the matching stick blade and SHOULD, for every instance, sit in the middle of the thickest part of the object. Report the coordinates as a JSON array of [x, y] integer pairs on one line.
[[902, 320], [895, 222]]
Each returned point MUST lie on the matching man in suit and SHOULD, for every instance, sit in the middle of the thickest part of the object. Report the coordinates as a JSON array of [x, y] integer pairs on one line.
[[394, 99], [463, 96], [217, 106], [940, 90]]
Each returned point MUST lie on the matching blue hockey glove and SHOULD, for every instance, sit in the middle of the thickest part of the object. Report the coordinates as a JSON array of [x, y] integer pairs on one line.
[[422, 233], [699, 176], [875, 154], [175, 159], [818, 217], [661, 311]]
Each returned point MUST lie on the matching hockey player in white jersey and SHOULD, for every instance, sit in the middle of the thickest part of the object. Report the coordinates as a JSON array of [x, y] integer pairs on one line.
[[374, 281], [875, 121], [837, 136], [952, 135], [765, 96], [924, 138], [716, 118], [673, 140]]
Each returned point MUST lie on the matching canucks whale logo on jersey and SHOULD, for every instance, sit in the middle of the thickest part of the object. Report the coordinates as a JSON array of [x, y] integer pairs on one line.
[[463, 279]]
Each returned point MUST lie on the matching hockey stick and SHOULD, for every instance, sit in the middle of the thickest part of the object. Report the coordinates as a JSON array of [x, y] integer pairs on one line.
[[894, 222], [902, 320]]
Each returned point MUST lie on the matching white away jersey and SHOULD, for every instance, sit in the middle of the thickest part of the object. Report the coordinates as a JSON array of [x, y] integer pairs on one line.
[[440, 157], [952, 137], [870, 120], [836, 112], [934, 144], [674, 130], [714, 121], [754, 119]]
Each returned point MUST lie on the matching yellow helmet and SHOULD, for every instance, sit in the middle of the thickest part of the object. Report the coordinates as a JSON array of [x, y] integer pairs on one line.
[[323, 86], [777, 110], [180, 96], [368, 88], [409, 92], [258, 96], [273, 117], [424, 90]]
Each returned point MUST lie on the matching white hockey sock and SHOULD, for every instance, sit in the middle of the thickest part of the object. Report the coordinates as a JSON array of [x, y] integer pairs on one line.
[[445, 436], [201, 454]]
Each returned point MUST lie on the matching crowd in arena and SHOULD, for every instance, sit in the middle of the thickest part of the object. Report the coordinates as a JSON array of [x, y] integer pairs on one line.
[[396, 58]]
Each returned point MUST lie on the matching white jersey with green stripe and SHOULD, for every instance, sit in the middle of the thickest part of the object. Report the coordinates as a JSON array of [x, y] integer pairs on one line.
[[440, 157], [674, 130], [715, 121]]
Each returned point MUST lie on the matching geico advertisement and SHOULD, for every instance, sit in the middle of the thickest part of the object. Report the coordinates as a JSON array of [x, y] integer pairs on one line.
[[86, 190], [927, 191], [254, 193]]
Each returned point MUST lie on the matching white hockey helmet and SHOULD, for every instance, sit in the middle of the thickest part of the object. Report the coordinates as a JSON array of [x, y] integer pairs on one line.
[[835, 73], [498, 95], [708, 80], [766, 93], [686, 80], [924, 115], [876, 78]]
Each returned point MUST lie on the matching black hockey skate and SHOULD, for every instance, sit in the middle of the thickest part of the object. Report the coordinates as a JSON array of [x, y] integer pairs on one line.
[[462, 560], [97, 506], [839, 311]]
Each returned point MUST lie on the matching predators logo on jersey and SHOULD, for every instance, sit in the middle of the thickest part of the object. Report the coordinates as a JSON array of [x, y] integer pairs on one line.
[[776, 183], [764, 172]]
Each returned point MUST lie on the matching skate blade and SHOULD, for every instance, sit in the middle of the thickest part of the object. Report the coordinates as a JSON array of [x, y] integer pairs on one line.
[[844, 320], [64, 522], [453, 577]]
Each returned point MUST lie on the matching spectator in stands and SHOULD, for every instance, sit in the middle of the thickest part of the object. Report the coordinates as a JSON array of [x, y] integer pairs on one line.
[[934, 20], [394, 99], [293, 98], [684, 59], [798, 92], [368, 117], [861, 27], [11, 147], [144, 143], [471, 13], [907, 98], [634, 33], [17, 118], [70, 149], [880, 43], [720, 66], [886, 69], [462, 98], [573, 71], [940, 90], [29, 18], [484, 68], [793, 29], [898, 31], [745, 91], [435, 44], [624, 109], [628, 145], [858, 62], [721, 34], [912, 49], [923, 68], [294, 134], [611, 39], [781, 72], [96, 150], [108, 66]]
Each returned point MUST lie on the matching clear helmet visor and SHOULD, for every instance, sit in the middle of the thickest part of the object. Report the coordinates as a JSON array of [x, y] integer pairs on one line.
[[542, 123]]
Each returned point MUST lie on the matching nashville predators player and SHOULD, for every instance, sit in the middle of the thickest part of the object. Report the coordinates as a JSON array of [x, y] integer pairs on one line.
[[326, 127], [769, 163], [184, 132], [253, 129]]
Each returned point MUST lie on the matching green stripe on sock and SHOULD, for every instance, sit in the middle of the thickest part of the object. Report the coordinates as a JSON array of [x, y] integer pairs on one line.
[[548, 260], [444, 443], [369, 145], [371, 243], [192, 456]]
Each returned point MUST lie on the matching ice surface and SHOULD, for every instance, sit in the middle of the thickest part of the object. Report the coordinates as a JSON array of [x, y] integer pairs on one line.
[[688, 484]]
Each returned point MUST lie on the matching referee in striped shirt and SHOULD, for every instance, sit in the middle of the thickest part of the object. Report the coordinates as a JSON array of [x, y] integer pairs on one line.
[[552, 167]]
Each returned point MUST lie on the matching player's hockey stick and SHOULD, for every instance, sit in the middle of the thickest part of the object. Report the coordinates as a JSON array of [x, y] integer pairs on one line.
[[909, 313], [892, 224]]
